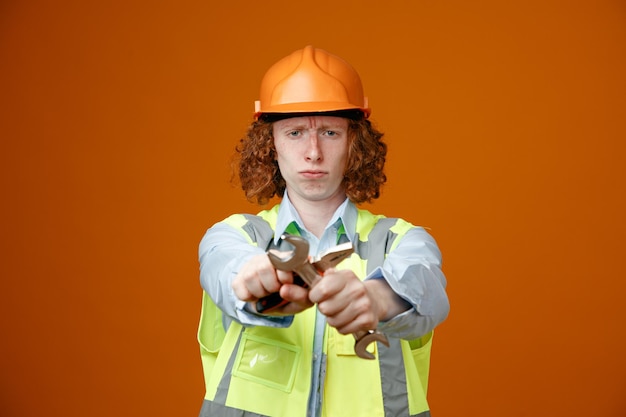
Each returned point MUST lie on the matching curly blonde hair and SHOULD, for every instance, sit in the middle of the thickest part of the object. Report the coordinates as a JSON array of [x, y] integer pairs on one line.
[[261, 179]]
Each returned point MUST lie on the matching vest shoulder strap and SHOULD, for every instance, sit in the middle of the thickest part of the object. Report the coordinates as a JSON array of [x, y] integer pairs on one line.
[[375, 236]]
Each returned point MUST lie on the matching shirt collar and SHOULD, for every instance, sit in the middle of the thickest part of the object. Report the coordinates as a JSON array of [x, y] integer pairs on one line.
[[346, 215]]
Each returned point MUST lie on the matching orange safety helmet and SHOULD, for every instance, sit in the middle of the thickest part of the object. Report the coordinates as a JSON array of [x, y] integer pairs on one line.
[[311, 80]]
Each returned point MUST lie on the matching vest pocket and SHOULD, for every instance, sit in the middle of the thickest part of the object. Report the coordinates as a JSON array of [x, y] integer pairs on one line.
[[210, 335], [210, 331], [267, 362], [420, 350]]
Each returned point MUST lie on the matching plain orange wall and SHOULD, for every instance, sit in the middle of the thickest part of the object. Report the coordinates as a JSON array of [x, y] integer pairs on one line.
[[506, 128]]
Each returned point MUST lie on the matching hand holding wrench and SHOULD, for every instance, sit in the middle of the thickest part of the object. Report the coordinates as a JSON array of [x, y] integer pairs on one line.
[[298, 262]]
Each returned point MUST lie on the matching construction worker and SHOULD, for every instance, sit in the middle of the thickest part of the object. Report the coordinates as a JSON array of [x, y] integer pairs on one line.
[[311, 143]]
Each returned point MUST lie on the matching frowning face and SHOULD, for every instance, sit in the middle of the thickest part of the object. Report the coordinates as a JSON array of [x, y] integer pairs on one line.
[[312, 152]]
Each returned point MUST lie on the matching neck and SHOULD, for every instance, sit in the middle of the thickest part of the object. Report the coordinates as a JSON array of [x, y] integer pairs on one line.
[[316, 214]]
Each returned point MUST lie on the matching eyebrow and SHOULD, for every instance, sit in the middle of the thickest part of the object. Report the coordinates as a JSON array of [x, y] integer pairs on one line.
[[302, 126]]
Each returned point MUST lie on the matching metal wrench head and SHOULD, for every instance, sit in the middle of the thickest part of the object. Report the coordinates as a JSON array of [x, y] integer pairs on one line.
[[361, 344], [298, 256]]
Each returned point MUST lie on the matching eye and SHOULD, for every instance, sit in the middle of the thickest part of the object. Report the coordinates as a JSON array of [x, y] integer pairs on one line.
[[331, 133], [294, 133]]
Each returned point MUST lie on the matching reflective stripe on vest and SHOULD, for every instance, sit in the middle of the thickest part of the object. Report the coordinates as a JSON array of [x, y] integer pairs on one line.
[[401, 369]]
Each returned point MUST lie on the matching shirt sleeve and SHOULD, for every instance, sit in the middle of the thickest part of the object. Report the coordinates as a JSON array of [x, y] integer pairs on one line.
[[413, 271], [222, 252]]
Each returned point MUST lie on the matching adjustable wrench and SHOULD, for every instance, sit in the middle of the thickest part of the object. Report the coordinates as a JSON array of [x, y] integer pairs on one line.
[[307, 272], [310, 272]]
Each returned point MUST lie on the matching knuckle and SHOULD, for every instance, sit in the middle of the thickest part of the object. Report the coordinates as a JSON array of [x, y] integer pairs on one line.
[[322, 307]]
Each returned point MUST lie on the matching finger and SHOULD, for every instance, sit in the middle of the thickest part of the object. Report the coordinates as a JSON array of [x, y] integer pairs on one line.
[[326, 288], [297, 297], [241, 292], [330, 305], [295, 294], [284, 277], [351, 320], [351, 309], [256, 279], [268, 280], [249, 287], [346, 323]]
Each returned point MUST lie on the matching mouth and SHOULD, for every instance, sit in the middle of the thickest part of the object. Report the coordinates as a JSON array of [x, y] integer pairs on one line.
[[313, 174]]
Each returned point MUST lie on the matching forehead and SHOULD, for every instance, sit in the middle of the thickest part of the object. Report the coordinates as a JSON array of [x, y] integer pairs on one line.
[[312, 122]]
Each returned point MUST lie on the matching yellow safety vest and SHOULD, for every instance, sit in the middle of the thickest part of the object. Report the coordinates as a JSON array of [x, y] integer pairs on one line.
[[264, 371]]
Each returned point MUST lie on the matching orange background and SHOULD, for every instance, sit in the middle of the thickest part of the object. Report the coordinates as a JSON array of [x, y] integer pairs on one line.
[[506, 128]]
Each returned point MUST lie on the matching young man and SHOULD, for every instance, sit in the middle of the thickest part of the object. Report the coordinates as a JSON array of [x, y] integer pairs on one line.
[[312, 144]]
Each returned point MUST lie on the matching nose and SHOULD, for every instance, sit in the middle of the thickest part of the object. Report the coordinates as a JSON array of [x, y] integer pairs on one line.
[[313, 150]]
